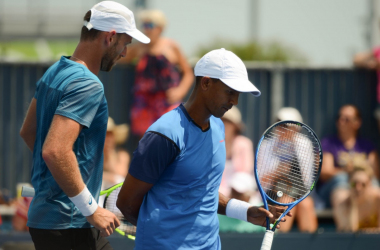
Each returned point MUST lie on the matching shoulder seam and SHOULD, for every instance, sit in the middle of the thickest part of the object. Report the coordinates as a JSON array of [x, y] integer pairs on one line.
[[157, 133]]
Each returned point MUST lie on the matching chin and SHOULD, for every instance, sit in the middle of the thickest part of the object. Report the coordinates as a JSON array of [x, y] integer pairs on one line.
[[220, 115], [108, 68]]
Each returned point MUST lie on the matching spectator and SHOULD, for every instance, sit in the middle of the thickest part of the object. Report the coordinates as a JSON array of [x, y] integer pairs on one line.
[[20, 217], [239, 149], [243, 187], [339, 153], [163, 76], [371, 60], [359, 210], [3, 201], [304, 212], [116, 160]]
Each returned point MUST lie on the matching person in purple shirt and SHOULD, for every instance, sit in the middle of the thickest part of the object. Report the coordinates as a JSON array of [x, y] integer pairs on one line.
[[340, 153]]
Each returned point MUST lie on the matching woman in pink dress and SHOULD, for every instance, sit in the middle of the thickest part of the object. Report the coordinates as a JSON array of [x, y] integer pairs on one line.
[[163, 76]]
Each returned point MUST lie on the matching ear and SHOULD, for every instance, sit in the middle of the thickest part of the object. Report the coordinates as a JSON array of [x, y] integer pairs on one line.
[[110, 37], [206, 83]]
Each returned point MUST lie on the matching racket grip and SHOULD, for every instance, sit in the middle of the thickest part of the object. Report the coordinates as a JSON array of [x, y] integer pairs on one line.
[[27, 191], [267, 241]]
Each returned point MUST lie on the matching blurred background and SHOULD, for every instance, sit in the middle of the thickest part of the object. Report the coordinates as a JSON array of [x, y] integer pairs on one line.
[[300, 54]]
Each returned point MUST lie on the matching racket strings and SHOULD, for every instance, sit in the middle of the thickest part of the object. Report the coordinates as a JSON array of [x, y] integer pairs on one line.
[[283, 167], [110, 204], [288, 161]]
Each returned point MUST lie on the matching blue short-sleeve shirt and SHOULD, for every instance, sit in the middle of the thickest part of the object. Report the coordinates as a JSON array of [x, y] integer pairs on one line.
[[68, 89], [186, 165]]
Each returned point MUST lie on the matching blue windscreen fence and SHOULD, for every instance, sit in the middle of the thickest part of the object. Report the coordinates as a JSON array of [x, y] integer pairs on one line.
[[317, 93]]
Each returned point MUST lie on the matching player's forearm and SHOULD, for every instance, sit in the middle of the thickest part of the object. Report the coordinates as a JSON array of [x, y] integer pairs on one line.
[[130, 214], [65, 170], [223, 200]]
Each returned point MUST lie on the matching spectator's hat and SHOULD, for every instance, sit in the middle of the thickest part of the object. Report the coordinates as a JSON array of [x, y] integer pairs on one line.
[[227, 67], [109, 15], [233, 115], [120, 131], [242, 182], [289, 113]]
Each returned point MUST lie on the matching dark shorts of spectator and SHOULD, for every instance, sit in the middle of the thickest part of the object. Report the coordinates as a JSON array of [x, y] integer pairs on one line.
[[325, 190], [65, 239]]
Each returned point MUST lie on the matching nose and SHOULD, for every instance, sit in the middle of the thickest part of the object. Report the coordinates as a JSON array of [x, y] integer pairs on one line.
[[124, 52], [235, 99]]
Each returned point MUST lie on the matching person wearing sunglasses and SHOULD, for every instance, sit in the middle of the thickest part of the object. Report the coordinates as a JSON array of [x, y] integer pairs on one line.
[[163, 76], [359, 210]]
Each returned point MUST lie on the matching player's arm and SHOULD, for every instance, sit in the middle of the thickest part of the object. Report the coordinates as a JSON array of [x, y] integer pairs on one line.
[[59, 157], [244, 211], [29, 127], [131, 197], [153, 155], [178, 93]]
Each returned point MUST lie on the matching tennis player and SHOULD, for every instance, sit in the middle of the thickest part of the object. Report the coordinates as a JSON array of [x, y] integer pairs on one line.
[[171, 190], [65, 128]]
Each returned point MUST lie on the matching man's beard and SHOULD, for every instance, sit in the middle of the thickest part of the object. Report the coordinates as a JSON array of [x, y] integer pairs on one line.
[[108, 60]]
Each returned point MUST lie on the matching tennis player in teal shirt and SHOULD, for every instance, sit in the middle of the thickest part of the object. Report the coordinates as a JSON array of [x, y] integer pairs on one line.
[[65, 128]]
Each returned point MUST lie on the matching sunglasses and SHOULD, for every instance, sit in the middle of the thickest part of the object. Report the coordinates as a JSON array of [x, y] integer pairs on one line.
[[354, 183], [148, 25], [346, 119]]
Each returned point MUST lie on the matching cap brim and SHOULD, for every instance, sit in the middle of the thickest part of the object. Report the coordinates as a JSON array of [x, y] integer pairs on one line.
[[139, 36], [242, 86]]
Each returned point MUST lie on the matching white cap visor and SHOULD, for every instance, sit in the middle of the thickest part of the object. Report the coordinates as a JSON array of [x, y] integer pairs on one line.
[[139, 36], [241, 85]]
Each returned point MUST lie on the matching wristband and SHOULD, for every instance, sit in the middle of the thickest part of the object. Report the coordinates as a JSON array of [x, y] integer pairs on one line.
[[237, 209], [84, 201]]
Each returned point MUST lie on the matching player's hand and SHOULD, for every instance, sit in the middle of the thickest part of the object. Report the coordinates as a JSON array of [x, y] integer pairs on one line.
[[257, 215], [104, 220]]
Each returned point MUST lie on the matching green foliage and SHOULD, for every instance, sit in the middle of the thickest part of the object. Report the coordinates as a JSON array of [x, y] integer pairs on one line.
[[27, 50], [254, 51]]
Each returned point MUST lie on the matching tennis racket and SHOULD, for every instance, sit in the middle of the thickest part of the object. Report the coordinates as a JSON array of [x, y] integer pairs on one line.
[[287, 166], [125, 228]]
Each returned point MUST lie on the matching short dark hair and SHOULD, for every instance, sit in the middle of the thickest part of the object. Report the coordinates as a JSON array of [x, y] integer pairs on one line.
[[88, 35], [199, 78], [358, 114]]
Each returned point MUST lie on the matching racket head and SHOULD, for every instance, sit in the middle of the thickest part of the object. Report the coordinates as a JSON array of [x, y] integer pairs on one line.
[[126, 228], [287, 164]]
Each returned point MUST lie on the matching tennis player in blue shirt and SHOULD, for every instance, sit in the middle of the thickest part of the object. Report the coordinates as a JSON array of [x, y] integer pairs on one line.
[[65, 128], [171, 190]]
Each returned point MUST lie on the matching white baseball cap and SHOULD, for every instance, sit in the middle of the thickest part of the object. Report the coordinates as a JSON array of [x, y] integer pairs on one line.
[[227, 67], [109, 15], [289, 113]]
